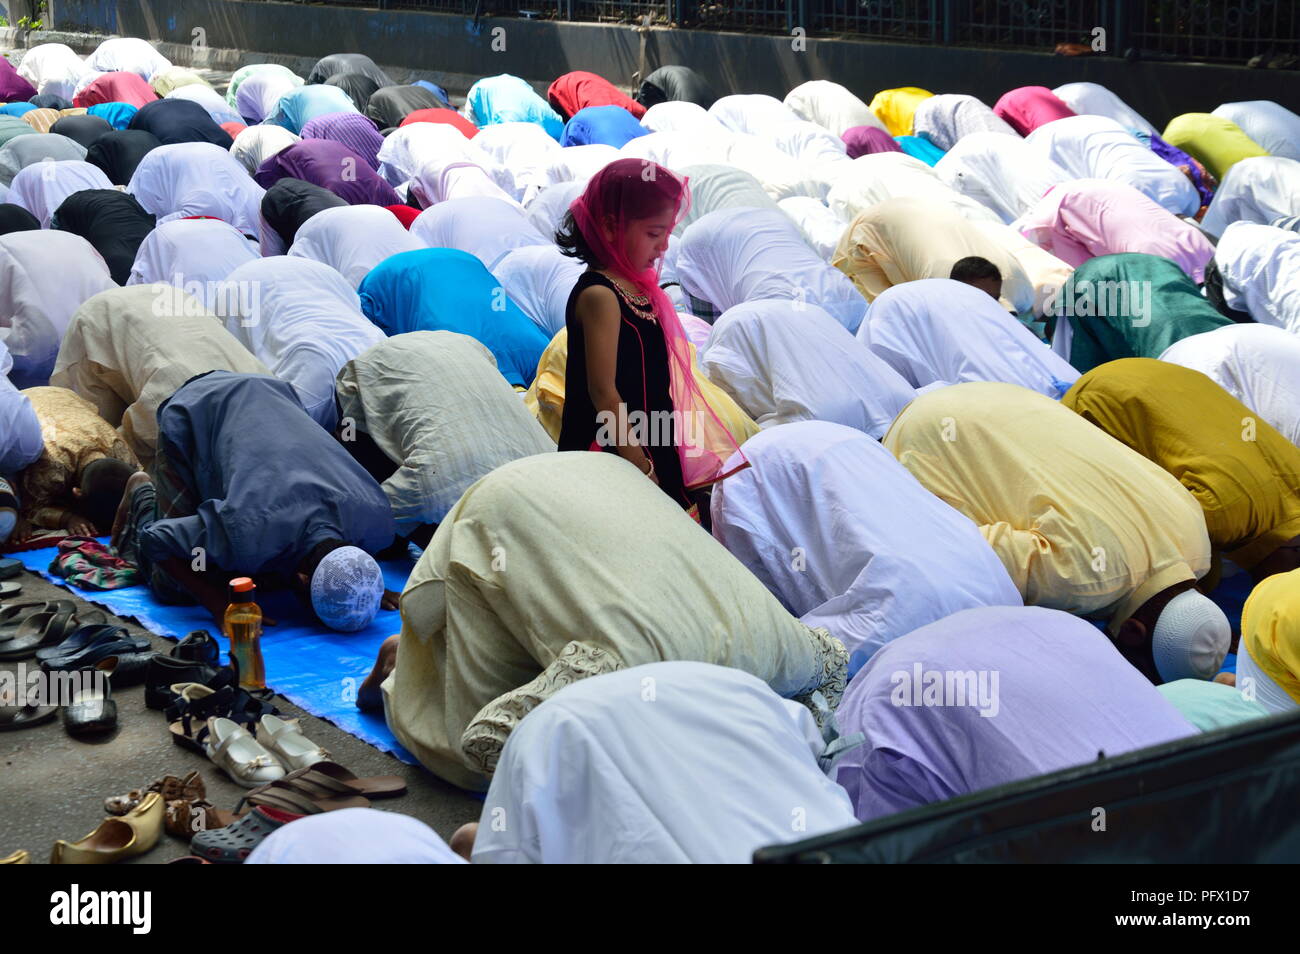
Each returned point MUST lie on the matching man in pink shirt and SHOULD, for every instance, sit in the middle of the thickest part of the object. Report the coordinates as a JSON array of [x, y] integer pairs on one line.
[[1084, 218]]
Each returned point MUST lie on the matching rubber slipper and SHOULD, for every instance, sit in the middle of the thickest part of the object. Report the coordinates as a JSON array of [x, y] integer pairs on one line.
[[89, 626], [24, 717], [46, 628], [235, 842], [101, 642], [10, 588], [13, 614]]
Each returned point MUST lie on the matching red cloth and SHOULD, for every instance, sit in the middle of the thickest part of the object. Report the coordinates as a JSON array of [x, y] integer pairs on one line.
[[405, 214], [1027, 108], [448, 116], [116, 88], [13, 88], [233, 129], [578, 90]]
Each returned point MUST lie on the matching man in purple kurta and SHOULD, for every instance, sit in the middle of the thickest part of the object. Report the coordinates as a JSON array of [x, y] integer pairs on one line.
[[330, 165], [989, 696]]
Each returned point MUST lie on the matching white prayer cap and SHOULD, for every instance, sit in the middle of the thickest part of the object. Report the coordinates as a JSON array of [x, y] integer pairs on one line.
[[1191, 638], [346, 589]]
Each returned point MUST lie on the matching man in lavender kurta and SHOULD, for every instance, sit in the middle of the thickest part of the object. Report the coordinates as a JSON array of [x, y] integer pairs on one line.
[[989, 696]]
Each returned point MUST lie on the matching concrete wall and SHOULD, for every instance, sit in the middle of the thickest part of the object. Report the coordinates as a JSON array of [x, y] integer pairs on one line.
[[451, 47]]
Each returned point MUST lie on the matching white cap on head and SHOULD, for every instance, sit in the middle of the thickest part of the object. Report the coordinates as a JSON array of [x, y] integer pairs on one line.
[[1191, 638], [346, 589]]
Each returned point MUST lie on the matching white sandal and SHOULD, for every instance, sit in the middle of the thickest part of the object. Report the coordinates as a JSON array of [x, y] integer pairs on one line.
[[233, 750], [287, 743]]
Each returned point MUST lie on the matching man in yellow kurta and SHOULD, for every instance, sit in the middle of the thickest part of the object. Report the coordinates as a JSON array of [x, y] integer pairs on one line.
[[1243, 472], [1081, 522], [562, 566]]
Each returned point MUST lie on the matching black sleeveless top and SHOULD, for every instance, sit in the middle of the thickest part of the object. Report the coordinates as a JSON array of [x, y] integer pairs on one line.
[[642, 377]]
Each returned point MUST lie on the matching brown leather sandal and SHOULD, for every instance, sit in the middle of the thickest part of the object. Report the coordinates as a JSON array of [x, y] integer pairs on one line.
[[332, 774], [169, 787], [185, 818], [306, 793]]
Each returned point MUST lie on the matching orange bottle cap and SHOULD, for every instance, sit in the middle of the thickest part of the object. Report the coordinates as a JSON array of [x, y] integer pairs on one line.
[[242, 584]]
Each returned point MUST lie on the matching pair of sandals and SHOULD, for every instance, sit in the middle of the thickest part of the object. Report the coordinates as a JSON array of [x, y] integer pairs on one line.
[[188, 810], [322, 787], [94, 641], [28, 627], [196, 704]]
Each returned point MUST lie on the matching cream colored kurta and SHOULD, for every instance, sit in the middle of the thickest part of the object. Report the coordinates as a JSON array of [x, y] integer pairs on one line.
[[1081, 522], [901, 240], [435, 403], [562, 566], [127, 350]]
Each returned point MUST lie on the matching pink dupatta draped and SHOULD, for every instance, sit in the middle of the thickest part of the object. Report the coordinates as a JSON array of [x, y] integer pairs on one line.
[[704, 444]]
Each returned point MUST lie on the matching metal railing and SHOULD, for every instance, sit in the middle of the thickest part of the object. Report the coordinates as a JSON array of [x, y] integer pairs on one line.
[[1213, 30], [1200, 30]]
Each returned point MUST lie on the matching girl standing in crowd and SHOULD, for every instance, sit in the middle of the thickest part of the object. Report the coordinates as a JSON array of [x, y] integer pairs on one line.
[[629, 384]]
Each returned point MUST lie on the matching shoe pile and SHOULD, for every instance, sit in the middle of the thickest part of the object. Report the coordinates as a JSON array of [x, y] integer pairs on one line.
[[68, 643], [240, 731]]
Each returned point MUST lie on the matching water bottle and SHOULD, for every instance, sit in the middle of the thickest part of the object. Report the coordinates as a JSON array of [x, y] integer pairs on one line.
[[243, 627]]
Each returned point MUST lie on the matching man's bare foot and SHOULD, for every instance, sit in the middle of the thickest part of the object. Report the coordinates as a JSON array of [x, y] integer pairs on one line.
[[369, 696], [124, 507], [1227, 678], [462, 842]]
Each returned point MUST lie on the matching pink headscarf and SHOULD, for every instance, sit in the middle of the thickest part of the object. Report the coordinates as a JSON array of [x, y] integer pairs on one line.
[[1027, 108], [704, 444]]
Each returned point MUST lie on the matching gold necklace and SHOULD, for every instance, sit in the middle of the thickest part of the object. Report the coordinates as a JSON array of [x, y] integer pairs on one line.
[[636, 303], [629, 297]]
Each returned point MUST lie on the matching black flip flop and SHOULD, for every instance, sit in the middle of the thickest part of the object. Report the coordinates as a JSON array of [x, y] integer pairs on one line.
[[46, 628], [88, 627], [24, 717]]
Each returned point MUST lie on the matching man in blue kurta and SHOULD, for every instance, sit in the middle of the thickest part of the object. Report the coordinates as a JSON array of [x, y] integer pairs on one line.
[[247, 483]]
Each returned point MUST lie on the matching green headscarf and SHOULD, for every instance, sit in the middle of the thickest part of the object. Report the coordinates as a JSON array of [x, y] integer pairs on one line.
[[1211, 705]]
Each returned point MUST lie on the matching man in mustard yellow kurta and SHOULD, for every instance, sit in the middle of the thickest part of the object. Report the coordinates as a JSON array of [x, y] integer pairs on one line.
[[1243, 472], [1082, 523]]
